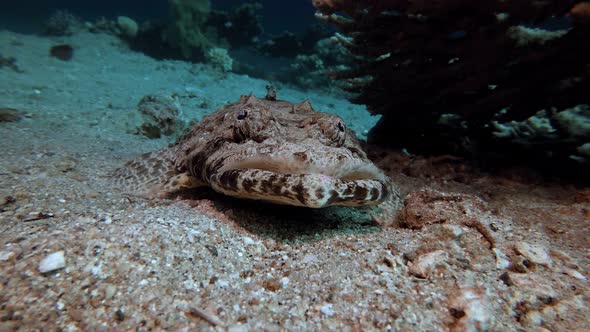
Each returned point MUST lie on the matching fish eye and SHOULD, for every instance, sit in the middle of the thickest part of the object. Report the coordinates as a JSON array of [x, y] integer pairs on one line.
[[340, 126], [242, 115]]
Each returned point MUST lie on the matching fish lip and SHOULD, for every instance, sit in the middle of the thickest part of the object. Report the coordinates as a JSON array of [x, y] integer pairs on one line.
[[313, 190]]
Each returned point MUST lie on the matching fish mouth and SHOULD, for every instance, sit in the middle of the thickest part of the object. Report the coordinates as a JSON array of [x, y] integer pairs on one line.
[[354, 183]]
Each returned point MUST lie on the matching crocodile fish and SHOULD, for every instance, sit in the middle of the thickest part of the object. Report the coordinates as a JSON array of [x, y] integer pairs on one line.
[[264, 149]]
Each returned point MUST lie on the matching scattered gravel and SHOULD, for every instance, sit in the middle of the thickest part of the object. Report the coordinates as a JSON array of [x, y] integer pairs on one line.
[[468, 252]]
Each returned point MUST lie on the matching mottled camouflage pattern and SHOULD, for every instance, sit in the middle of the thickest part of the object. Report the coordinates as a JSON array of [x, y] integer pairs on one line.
[[267, 150]]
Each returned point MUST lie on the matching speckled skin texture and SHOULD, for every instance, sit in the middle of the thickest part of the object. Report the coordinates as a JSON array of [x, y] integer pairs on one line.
[[267, 150]]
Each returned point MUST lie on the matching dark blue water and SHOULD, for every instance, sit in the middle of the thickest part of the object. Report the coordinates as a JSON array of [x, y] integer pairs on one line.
[[27, 16]]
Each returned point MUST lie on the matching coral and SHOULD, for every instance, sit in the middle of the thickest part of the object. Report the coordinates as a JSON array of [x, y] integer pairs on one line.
[[286, 44], [536, 126], [580, 13], [188, 35], [575, 121], [220, 59], [240, 26], [104, 25], [62, 23], [332, 52], [584, 150], [466, 60], [308, 62], [307, 71], [127, 26], [289, 44], [188, 30], [568, 131], [525, 36], [328, 56]]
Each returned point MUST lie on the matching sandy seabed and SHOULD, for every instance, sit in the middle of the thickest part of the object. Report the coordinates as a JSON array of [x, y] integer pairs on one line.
[[467, 251]]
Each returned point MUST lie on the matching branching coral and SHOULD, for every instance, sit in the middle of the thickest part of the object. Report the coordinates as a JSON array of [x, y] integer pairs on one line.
[[418, 60]]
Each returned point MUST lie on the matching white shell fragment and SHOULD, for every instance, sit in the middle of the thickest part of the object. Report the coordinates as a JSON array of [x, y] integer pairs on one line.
[[52, 262]]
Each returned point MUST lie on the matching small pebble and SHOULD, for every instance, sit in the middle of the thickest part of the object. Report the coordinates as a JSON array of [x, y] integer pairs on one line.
[[502, 260], [222, 283], [237, 328], [284, 282], [327, 309], [575, 274], [6, 255], [309, 259], [119, 315], [52, 262], [110, 292], [454, 231], [59, 306]]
